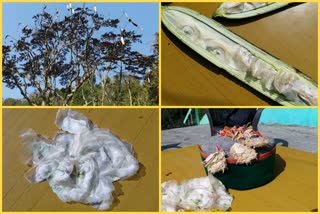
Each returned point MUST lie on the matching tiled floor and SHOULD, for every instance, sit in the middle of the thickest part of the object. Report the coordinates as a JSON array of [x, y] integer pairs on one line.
[[298, 137]]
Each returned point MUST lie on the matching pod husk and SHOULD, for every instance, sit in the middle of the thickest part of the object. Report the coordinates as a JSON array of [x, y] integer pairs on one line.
[[258, 11], [242, 76]]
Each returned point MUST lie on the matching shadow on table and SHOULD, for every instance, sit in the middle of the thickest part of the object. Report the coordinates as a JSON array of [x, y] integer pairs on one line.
[[280, 165], [170, 146], [278, 141], [116, 193], [118, 187], [210, 66], [180, 99]]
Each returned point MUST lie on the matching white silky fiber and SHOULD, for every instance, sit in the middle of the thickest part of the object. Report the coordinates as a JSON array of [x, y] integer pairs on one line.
[[197, 194], [81, 161]]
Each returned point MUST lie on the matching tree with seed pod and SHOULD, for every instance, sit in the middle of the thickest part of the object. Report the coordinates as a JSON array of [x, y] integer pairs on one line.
[[59, 60]]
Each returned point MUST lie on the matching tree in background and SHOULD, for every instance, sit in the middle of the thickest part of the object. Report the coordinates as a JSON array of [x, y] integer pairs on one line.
[[152, 78], [77, 60]]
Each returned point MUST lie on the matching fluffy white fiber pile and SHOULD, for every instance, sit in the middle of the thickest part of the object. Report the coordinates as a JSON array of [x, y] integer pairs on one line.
[[81, 161], [198, 194]]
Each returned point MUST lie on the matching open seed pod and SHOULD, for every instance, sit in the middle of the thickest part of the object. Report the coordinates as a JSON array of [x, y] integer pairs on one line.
[[239, 10], [256, 68]]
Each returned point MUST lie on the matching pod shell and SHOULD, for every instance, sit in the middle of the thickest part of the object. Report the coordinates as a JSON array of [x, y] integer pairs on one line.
[[251, 13], [276, 63]]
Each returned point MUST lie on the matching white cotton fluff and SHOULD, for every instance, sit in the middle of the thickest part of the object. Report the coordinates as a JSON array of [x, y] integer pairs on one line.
[[198, 194], [81, 162], [170, 195], [242, 153], [239, 7]]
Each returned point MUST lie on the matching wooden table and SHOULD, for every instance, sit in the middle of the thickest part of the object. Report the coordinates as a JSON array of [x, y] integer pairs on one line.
[[139, 127], [294, 188], [289, 34]]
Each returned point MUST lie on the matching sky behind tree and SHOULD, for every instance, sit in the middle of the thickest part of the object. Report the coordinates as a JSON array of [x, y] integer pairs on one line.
[[144, 14]]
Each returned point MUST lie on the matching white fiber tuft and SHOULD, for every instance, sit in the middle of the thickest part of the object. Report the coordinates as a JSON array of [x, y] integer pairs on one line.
[[81, 162]]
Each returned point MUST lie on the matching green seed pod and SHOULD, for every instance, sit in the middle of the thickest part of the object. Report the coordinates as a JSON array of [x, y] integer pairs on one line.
[[240, 10], [258, 69]]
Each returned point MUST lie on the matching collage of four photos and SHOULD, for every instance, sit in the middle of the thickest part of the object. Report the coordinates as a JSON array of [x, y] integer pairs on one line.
[[159, 106]]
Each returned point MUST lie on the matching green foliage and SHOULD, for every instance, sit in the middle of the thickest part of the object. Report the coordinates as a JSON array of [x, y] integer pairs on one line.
[[173, 118], [150, 86], [87, 95], [14, 102]]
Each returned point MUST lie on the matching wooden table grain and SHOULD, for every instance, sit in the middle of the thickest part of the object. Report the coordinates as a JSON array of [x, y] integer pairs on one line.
[[289, 34], [138, 127]]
